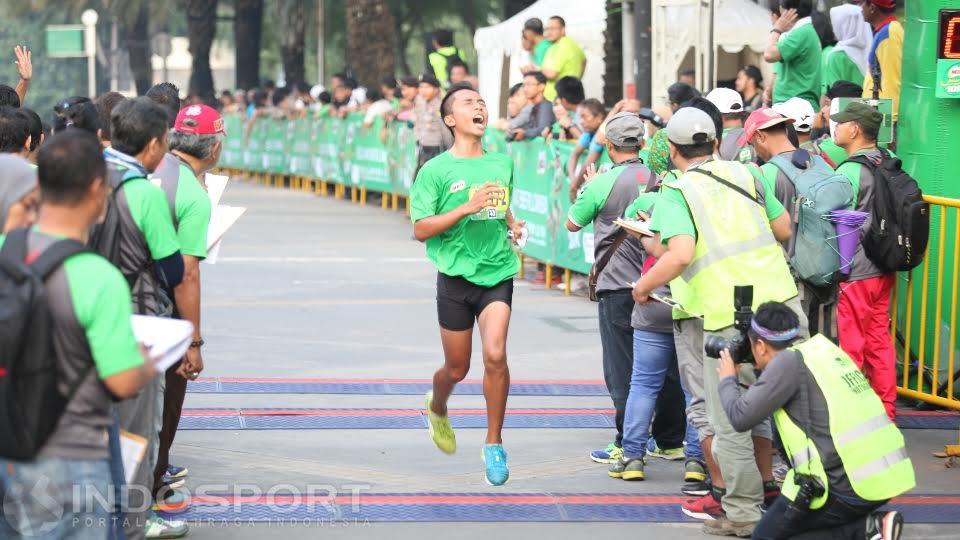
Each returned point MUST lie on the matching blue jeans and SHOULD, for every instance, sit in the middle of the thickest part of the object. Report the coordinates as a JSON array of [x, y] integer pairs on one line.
[[118, 479], [54, 498], [654, 358]]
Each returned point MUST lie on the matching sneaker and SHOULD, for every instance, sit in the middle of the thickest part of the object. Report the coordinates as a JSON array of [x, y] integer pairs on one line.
[[724, 527], [611, 454], [780, 473], [157, 527], [176, 472], [172, 502], [440, 429], [627, 469], [696, 479], [670, 454], [173, 483], [884, 525], [495, 459], [705, 507]]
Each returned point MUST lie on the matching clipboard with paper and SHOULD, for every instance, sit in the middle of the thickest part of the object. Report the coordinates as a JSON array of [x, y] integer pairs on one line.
[[636, 226], [166, 339]]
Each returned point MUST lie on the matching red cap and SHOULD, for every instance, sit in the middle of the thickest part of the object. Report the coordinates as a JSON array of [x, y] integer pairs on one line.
[[885, 4], [761, 119], [199, 120]]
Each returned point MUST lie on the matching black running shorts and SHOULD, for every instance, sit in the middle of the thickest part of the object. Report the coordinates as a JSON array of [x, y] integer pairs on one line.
[[460, 302]]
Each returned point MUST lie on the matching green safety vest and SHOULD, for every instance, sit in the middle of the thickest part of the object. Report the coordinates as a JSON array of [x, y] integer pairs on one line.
[[868, 444], [735, 245]]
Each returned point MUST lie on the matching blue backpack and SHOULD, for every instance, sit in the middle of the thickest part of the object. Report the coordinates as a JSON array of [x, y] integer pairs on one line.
[[813, 251]]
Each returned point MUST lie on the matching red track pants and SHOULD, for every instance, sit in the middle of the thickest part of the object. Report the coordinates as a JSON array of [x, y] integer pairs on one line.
[[863, 322]]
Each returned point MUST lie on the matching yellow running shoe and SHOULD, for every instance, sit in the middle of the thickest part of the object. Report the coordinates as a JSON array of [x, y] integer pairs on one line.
[[440, 429]]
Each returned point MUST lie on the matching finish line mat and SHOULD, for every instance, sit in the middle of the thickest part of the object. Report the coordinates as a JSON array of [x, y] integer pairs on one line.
[[437, 507], [305, 418], [399, 387]]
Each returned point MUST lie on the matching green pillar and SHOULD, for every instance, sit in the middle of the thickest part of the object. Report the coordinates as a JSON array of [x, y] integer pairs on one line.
[[929, 144]]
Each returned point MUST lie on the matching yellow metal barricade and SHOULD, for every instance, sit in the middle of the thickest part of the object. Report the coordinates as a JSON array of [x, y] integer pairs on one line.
[[927, 339]]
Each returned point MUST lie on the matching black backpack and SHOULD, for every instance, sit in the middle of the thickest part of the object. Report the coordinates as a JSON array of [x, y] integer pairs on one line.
[[900, 218], [30, 403]]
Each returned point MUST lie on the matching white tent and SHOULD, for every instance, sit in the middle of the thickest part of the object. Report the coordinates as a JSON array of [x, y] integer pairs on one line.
[[500, 54], [681, 40]]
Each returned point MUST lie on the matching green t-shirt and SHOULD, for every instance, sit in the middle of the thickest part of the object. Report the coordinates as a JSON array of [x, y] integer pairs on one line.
[[672, 215], [800, 68], [644, 203], [192, 207], [540, 52], [593, 197], [477, 247], [837, 66], [100, 298], [150, 211], [566, 58]]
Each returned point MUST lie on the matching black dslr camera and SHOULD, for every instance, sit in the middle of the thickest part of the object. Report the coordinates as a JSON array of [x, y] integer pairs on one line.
[[739, 346], [810, 488]]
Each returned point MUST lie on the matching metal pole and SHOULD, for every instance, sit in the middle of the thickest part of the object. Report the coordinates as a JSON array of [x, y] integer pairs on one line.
[[89, 19], [627, 45], [114, 65], [710, 75], [321, 37], [643, 56]]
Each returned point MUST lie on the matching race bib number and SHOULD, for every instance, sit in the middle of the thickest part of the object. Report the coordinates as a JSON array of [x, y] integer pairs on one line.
[[496, 211]]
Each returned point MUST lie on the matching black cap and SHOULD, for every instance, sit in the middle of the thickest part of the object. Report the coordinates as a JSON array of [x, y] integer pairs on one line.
[[844, 89]]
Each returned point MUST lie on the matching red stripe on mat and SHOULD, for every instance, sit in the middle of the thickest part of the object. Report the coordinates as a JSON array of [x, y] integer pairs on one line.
[[490, 499], [408, 381], [379, 412]]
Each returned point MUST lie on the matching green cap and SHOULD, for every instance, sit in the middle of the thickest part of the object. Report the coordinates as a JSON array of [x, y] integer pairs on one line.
[[861, 113]]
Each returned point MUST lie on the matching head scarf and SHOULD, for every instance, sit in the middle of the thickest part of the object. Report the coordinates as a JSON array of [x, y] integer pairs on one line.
[[854, 36], [17, 179], [659, 160]]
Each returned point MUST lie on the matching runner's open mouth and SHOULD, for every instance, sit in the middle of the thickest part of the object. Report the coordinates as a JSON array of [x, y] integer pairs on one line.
[[478, 119]]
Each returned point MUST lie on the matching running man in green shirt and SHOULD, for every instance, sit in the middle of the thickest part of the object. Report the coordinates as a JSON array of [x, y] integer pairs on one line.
[[460, 206]]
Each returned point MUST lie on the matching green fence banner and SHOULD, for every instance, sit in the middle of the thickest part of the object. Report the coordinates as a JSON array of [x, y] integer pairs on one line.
[[385, 159]]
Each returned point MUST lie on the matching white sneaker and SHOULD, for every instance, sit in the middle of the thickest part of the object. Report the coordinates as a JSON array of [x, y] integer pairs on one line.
[[158, 527]]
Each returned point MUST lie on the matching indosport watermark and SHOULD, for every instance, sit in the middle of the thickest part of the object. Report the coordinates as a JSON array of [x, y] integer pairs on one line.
[[44, 506]]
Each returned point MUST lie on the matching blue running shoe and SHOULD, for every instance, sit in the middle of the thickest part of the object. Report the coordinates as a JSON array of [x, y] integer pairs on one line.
[[176, 472], [611, 454], [495, 459]]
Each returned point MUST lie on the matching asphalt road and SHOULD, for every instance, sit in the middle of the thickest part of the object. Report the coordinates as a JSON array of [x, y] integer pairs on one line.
[[311, 287]]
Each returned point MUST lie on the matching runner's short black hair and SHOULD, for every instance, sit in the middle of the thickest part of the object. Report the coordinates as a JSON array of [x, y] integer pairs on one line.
[[14, 130], [534, 25], [570, 89], [691, 151], [389, 81], [135, 122], [540, 77], [34, 125], [454, 63], [325, 97], [9, 97], [446, 103], [844, 89], [168, 95], [409, 81], [67, 164]]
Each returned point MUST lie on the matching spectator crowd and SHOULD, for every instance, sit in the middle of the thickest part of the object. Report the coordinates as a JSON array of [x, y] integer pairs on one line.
[[115, 186]]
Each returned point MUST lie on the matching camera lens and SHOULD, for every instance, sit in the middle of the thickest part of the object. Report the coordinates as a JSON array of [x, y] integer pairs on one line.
[[713, 345]]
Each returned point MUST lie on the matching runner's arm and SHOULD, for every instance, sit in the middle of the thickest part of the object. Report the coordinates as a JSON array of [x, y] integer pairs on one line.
[[671, 264], [187, 297], [431, 226]]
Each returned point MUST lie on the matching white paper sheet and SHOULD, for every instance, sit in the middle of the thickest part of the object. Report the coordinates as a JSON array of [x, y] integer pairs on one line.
[[639, 227], [132, 449], [213, 252], [216, 184], [221, 219], [166, 339]]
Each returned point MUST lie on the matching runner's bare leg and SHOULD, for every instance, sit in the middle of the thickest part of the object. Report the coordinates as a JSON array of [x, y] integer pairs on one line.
[[457, 348], [494, 323]]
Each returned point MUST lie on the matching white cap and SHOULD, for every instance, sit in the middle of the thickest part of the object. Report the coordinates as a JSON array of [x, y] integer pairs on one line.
[[726, 99], [315, 91], [800, 110]]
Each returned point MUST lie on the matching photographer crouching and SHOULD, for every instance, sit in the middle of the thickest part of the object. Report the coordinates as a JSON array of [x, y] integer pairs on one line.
[[848, 459]]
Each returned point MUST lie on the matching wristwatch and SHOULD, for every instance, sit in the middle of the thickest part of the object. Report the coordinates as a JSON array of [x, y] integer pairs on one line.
[[776, 31], [196, 344]]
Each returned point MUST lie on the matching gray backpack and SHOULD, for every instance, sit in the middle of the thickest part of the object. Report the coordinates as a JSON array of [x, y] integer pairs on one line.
[[813, 252]]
